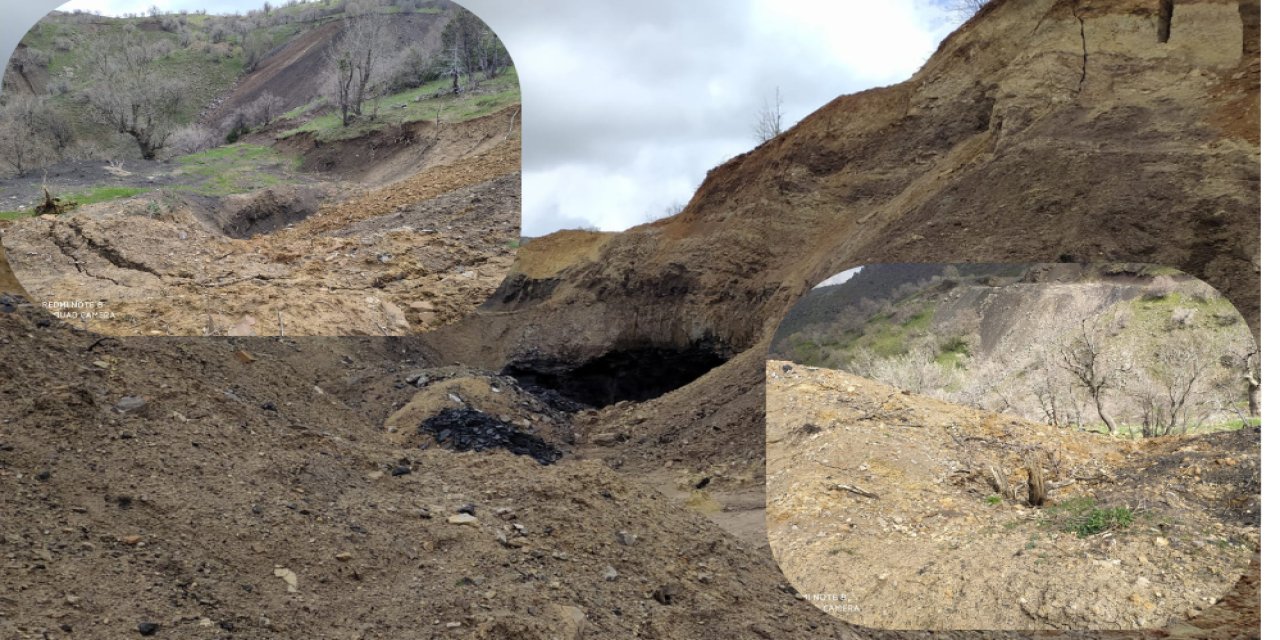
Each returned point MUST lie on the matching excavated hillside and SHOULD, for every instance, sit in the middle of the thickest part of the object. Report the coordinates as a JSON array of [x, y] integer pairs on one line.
[[1009, 145], [296, 72]]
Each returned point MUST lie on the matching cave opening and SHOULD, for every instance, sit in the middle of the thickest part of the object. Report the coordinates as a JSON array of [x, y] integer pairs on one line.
[[633, 374]]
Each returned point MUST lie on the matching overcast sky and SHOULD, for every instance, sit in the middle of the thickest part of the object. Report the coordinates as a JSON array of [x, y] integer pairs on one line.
[[628, 104]]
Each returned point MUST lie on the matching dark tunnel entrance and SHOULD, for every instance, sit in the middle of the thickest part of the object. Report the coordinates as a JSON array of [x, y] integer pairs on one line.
[[635, 374]]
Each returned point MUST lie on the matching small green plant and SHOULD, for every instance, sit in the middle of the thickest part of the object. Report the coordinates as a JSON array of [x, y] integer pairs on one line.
[[993, 500], [1083, 517], [956, 345], [1098, 520]]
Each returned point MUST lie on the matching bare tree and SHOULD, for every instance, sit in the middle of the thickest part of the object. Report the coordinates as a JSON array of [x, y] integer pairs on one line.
[[132, 95], [25, 134], [358, 62], [471, 49], [1089, 359], [1169, 386], [964, 9], [769, 118], [1246, 362]]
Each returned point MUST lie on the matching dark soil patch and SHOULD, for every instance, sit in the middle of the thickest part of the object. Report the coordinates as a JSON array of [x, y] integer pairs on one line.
[[471, 430], [266, 211], [624, 375]]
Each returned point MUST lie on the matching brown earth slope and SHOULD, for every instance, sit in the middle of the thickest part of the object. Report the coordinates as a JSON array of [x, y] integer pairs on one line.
[[1005, 147]]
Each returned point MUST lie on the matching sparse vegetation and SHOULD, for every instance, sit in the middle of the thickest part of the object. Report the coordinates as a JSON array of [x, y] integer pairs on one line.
[[82, 85], [423, 104], [768, 124], [236, 168], [104, 194], [964, 9], [1083, 517], [1166, 355]]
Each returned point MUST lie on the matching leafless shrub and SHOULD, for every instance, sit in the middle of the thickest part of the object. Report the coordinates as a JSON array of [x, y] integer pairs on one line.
[[964, 9], [1182, 318], [193, 138], [768, 124], [265, 109]]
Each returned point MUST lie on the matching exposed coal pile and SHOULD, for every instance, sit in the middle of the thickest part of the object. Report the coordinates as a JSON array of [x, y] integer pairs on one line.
[[632, 375], [553, 399], [471, 430]]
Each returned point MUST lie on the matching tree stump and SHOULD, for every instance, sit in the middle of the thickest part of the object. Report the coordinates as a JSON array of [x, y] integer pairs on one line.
[[51, 205], [1000, 482], [1036, 493]]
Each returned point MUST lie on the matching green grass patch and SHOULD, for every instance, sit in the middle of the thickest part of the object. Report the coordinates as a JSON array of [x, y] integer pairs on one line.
[[81, 198], [302, 110], [919, 320], [1083, 517], [953, 353], [993, 500], [103, 194], [417, 105], [232, 169]]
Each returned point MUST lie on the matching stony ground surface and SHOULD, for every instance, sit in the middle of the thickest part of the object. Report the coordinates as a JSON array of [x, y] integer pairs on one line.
[[248, 488], [333, 259], [880, 506]]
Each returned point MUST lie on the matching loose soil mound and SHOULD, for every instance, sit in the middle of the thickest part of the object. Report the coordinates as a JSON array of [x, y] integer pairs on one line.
[[242, 488]]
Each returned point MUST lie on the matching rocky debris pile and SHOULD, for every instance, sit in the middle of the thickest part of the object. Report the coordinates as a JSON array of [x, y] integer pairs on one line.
[[471, 430], [553, 399]]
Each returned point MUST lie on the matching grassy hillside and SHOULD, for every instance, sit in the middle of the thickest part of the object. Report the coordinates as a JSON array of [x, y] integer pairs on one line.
[[238, 84]]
